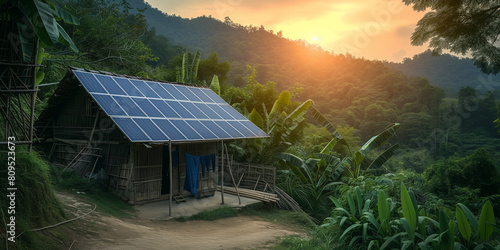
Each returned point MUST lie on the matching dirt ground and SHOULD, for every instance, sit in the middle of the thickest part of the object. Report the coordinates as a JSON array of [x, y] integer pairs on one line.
[[97, 231]]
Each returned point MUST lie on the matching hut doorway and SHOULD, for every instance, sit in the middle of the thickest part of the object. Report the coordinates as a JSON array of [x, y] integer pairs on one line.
[[165, 171]]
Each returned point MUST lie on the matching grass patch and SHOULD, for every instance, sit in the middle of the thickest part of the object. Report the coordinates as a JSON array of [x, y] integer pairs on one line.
[[318, 238], [211, 215], [35, 203], [287, 218], [107, 202]]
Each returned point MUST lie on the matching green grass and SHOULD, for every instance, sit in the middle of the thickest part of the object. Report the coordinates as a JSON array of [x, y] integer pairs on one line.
[[211, 215], [287, 218], [36, 204], [107, 202]]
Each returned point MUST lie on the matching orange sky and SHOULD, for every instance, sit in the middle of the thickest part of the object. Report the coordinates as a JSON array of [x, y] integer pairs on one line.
[[374, 29]]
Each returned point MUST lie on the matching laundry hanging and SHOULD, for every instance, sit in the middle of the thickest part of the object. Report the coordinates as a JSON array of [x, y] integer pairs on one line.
[[192, 170], [205, 164]]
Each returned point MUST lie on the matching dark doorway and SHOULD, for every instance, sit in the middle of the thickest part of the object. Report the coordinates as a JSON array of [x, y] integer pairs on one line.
[[165, 171]]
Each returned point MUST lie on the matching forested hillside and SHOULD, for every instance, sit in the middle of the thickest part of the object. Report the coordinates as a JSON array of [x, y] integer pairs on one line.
[[448, 72], [366, 95], [343, 131]]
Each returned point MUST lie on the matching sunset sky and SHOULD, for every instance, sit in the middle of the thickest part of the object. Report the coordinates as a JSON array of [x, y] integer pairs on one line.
[[374, 29]]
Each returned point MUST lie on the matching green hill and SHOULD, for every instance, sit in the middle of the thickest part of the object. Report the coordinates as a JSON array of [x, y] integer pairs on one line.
[[447, 72]]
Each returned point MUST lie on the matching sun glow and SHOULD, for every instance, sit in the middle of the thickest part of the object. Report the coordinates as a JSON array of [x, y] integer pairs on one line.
[[314, 38]]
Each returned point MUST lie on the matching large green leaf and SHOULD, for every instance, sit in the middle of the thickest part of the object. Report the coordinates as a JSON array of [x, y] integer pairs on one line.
[[381, 159], [408, 209], [297, 165], [352, 227], [324, 122], [65, 39], [472, 219], [487, 216], [383, 209], [196, 63], [463, 224], [256, 119], [44, 24], [280, 103], [215, 86], [65, 16], [379, 139]]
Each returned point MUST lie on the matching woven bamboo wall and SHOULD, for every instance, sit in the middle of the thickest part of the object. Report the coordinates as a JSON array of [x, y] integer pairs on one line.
[[146, 176]]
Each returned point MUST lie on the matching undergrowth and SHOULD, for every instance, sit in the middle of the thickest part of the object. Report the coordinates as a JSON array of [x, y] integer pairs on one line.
[[107, 202], [35, 203]]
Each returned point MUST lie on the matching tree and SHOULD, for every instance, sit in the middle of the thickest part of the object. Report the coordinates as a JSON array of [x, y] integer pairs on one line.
[[462, 27]]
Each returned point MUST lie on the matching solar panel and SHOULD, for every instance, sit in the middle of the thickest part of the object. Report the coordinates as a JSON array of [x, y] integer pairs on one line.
[[147, 111]]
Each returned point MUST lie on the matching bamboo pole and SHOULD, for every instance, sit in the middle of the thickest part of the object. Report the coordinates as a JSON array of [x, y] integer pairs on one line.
[[231, 173], [170, 176], [222, 172]]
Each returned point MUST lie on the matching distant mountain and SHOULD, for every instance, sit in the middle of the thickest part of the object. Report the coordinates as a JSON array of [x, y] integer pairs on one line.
[[447, 72]]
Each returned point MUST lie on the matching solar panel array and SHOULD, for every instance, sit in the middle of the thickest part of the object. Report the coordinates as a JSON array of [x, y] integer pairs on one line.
[[149, 111]]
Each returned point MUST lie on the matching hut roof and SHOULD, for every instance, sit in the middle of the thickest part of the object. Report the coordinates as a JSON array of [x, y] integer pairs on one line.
[[156, 112]]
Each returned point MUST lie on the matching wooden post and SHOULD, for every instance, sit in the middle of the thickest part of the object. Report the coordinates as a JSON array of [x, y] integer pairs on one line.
[[93, 128], [229, 165], [33, 98], [222, 172], [170, 176]]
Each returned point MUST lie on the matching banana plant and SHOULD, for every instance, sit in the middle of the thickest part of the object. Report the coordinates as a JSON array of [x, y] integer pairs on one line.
[[280, 126], [318, 175], [189, 70], [473, 233], [215, 86], [38, 17], [358, 162]]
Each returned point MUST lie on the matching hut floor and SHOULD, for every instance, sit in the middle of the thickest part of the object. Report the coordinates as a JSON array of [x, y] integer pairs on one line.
[[159, 210]]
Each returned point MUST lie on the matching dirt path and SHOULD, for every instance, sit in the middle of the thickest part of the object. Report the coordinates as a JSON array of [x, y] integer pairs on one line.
[[98, 231]]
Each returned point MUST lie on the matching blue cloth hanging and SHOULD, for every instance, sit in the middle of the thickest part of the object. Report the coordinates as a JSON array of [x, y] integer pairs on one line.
[[205, 164], [192, 170]]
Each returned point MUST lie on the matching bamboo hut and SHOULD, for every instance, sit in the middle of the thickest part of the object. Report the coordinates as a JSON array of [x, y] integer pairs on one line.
[[146, 136]]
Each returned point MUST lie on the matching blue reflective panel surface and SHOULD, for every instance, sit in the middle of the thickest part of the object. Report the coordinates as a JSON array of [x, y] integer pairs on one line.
[[133, 132], [156, 87], [200, 94], [187, 93], [242, 129], [144, 88], [169, 129], [194, 110], [233, 112], [172, 90], [179, 109], [109, 105], [90, 82], [110, 85], [129, 106], [213, 96], [147, 107], [216, 129], [164, 108], [256, 130], [186, 130], [209, 112], [128, 87], [202, 130], [151, 130], [228, 129], [220, 111]]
